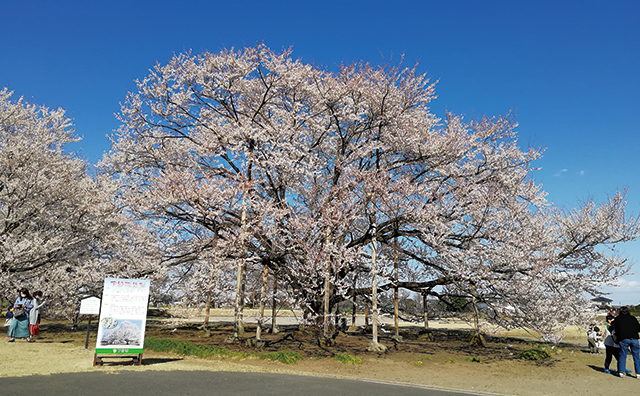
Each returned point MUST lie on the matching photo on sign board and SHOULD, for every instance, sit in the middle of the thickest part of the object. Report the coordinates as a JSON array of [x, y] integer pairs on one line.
[[121, 332]]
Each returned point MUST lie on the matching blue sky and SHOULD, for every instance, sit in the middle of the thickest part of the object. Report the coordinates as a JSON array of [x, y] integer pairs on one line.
[[570, 70]]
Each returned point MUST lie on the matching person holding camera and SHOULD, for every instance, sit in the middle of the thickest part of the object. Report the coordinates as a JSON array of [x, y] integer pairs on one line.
[[626, 331]]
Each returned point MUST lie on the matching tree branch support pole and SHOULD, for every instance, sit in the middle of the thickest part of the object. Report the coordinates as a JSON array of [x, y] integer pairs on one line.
[[263, 297], [374, 345], [395, 300], [353, 327], [274, 328], [374, 290], [425, 310], [327, 290], [396, 313]]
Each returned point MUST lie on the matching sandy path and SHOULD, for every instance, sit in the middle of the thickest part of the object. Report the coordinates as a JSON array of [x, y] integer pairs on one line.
[[573, 371], [572, 374]]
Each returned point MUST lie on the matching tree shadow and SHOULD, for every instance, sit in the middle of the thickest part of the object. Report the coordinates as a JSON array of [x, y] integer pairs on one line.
[[150, 361]]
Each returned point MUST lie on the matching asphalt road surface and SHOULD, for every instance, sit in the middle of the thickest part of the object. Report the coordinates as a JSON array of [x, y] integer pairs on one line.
[[202, 383]]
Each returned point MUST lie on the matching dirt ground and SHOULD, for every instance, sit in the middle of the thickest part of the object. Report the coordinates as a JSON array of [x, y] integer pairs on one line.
[[442, 360]]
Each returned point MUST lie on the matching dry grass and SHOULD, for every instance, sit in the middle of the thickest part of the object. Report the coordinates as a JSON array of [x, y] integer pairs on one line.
[[444, 361]]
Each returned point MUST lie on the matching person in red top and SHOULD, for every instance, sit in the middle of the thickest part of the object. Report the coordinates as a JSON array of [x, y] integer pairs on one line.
[[626, 330]]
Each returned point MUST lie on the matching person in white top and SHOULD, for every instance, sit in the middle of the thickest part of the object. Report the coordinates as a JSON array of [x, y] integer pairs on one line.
[[611, 348]]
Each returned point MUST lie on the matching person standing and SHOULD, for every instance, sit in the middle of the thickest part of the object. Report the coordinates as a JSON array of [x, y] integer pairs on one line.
[[626, 329], [34, 316], [612, 349], [20, 324]]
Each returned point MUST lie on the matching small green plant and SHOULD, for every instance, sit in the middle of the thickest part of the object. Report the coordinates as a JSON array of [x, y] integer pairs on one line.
[[345, 358], [187, 348], [450, 360], [427, 358], [285, 357], [473, 359], [417, 363], [534, 354]]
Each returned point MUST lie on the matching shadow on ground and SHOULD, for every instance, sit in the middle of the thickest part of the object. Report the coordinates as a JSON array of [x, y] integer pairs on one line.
[[151, 361]]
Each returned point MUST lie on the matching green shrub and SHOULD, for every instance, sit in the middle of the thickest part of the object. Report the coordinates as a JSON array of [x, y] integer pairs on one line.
[[534, 354], [187, 348], [473, 359], [285, 357], [345, 358]]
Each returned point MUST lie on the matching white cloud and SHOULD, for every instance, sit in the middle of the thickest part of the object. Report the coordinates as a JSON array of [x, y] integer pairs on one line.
[[623, 291], [627, 284], [561, 172], [581, 173]]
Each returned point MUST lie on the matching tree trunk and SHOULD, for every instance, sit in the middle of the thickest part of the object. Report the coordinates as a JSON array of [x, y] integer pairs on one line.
[[355, 300], [353, 312], [476, 325], [238, 327], [366, 315], [477, 339], [263, 298], [207, 310], [74, 326]]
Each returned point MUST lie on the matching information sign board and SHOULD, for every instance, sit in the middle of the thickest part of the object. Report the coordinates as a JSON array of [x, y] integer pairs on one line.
[[90, 306], [123, 316]]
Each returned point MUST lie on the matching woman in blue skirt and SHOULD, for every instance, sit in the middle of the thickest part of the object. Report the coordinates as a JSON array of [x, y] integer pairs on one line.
[[20, 324]]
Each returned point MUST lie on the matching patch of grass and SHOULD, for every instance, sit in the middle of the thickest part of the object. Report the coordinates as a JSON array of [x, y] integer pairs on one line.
[[417, 363], [187, 348], [345, 358], [450, 360], [285, 357], [534, 354], [473, 359]]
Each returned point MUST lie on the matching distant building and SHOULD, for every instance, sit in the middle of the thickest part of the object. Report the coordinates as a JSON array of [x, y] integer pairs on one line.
[[601, 303]]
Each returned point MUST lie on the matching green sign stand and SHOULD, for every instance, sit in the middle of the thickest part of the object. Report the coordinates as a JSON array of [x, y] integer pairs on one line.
[[121, 328]]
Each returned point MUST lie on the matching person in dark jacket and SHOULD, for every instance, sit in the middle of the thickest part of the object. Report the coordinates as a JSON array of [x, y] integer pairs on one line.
[[626, 330]]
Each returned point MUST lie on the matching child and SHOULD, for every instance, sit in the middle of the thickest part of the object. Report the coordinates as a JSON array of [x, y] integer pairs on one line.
[[7, 321], [593, 337], [34, 316]]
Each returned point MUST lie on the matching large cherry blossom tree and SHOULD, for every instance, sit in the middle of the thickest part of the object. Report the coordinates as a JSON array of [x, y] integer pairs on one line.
[[326, 177], [60, 230]]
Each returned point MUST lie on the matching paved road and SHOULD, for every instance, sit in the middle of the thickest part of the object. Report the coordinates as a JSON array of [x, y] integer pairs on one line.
[[201, 383]]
